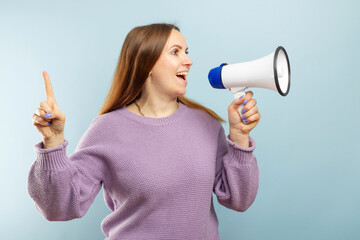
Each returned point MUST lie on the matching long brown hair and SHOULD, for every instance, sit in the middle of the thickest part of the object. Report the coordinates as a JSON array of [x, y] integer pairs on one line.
[[141, 49]]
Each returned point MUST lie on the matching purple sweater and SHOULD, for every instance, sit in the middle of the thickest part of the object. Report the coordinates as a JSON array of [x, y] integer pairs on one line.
[[158, 175]]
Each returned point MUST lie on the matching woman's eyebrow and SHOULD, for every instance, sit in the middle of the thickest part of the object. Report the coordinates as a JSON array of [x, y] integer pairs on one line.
[[178, 46]]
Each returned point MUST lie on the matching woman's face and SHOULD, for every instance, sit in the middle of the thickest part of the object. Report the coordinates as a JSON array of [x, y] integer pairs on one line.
[[169, 74]]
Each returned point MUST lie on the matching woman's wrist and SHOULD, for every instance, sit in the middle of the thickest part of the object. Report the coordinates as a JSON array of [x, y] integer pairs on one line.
[[54, 141], [240, 138]]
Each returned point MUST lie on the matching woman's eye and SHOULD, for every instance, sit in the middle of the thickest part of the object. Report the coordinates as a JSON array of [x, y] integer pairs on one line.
[[176, 52]]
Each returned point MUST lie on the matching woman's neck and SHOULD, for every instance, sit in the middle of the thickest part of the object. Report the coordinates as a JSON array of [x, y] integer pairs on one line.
[[153, 107]]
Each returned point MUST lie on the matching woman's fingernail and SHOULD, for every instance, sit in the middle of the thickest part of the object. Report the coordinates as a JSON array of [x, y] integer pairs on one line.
[[243, 111], [48, 115], [246, 121], [49, 124], [241, 97], [243, 117], [245, 101]]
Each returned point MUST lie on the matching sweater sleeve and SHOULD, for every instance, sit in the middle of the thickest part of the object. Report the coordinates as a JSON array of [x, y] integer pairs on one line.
[[237, 174], [62, 187]]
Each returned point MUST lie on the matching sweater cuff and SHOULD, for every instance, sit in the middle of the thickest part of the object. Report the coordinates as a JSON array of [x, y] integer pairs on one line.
[[51, 158], [240, 155]]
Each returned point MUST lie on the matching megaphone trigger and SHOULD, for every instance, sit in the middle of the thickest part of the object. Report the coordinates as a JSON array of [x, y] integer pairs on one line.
[[238, 92]]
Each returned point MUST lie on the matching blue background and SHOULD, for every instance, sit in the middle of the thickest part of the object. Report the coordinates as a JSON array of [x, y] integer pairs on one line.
[[307, 142]]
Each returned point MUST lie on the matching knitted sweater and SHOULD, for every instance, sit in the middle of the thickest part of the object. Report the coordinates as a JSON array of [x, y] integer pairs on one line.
[[158, 175]]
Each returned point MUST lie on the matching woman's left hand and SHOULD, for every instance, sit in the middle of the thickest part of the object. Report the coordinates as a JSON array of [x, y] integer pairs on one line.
[[238, 128]]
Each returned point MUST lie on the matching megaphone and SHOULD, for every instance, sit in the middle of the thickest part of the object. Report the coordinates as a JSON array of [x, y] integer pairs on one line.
[[270, 72]]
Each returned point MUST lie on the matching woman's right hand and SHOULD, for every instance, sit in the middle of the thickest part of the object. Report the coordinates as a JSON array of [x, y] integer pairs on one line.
[[48, 119]]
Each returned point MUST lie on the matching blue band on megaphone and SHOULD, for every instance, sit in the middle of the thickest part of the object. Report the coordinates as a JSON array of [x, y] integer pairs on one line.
[[215, 77]]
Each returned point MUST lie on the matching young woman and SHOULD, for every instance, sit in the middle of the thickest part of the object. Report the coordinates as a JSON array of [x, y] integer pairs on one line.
[[158, 155]]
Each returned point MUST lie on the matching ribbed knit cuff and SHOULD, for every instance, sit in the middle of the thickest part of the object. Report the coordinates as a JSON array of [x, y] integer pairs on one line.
[[51, 158], [240, 155]]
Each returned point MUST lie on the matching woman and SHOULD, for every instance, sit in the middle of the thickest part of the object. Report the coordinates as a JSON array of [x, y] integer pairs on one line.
[[158, 154]]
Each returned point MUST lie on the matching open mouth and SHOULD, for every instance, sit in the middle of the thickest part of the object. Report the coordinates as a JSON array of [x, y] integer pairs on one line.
[[182, 75]]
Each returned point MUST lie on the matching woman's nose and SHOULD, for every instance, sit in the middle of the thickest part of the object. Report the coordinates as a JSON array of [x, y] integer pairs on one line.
[[187, 61]]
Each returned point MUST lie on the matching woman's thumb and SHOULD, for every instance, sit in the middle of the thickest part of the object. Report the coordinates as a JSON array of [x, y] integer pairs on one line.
[[57, 113]]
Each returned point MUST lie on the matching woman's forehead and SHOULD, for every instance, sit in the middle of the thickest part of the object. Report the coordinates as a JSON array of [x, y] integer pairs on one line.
[[176, 39]]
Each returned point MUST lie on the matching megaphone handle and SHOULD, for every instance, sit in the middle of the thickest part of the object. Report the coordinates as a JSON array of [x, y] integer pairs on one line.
[[238, 94]]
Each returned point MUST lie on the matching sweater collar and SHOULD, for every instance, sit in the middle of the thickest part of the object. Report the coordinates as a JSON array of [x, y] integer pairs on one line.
[[155, 121]]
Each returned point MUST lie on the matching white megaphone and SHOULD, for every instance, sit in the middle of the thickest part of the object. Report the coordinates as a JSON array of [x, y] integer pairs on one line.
[[271, 72]]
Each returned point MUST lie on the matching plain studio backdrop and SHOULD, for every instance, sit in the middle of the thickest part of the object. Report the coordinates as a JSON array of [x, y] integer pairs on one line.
[[307, 143]]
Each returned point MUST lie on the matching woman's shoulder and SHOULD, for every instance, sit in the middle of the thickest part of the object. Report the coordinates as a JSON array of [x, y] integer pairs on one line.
[[204, 117], [106, 119]]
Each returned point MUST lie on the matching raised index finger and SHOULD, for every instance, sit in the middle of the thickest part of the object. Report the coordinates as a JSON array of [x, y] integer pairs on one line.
[[48, 88]]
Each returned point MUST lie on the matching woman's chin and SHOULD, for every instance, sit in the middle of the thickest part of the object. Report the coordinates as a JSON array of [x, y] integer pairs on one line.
[[181, 92]]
